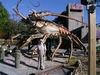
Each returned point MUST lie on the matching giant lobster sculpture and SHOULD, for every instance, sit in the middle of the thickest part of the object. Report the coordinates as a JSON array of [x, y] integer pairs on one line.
[[47, 29]]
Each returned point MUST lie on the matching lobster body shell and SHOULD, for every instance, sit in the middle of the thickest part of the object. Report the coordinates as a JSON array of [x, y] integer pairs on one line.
[[48, 27]]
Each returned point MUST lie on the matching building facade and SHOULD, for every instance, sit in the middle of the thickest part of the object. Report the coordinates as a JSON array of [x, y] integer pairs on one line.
[[75, 11]]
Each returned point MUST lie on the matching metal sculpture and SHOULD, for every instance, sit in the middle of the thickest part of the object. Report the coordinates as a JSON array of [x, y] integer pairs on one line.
[[48, 29]]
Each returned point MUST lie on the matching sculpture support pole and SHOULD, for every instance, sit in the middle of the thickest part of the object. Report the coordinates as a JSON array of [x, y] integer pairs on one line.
[[17, 59], [2, 54]]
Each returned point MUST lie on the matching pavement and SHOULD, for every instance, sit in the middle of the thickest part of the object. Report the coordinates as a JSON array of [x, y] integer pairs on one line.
[[9, 70], [29, 65]]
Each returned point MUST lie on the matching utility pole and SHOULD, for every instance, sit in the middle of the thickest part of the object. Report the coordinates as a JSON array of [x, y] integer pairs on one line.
[[92, 35], [92, 41]]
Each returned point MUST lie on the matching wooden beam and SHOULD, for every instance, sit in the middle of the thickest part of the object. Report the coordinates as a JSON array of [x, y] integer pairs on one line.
[[92, 43]]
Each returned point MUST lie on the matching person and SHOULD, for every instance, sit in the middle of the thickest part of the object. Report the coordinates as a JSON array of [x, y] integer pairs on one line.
[[41, 54]]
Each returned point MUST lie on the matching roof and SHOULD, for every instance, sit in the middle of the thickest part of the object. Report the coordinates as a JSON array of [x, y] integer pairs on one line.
[[98, 34]]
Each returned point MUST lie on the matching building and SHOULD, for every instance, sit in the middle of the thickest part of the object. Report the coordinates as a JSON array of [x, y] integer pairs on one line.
[[76, 11], [98, 34]]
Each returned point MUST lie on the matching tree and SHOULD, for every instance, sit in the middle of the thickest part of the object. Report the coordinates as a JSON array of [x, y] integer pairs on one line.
[[16, 27], [4, 18], [61, 20], [10, 26]]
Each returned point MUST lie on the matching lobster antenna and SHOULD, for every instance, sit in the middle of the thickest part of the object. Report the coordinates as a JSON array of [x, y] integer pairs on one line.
[[35, 5], [18, 4], [54, 14], [17, 11]]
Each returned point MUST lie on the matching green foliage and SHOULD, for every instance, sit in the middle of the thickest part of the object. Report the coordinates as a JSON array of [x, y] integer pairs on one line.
[[16, 27], [10, 26], [4, 17]]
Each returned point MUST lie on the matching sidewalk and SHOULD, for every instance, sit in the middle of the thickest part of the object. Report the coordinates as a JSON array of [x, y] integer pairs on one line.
[[8, 70], [27, 64]]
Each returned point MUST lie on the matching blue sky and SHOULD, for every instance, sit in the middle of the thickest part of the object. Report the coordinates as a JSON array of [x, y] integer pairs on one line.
[[56, 6]]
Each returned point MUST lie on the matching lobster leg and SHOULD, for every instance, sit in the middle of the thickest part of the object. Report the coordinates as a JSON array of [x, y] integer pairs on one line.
[[77, 40], [34, 51], [60, 41], [45, 37], [30, 47], [70, 55], [13, 37], [30, 38]]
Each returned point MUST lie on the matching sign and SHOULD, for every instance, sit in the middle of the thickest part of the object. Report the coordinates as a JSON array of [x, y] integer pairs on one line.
[[76, 7]]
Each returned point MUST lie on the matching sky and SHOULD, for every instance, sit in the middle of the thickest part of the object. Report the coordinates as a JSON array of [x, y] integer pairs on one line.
[[56, 6]]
